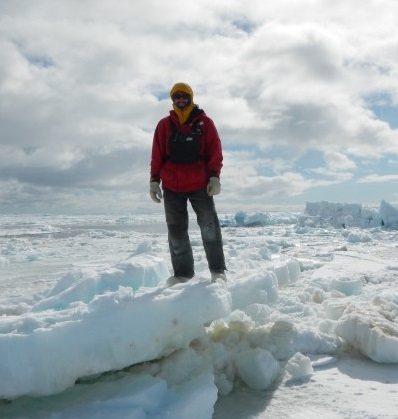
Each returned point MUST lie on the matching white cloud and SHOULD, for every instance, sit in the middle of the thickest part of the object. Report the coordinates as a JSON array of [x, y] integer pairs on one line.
[[337, 161], [83, 84], [243, 179], [379, 179]]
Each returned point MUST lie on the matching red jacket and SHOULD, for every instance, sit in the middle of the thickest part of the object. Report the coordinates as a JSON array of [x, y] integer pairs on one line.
[[186, 177]]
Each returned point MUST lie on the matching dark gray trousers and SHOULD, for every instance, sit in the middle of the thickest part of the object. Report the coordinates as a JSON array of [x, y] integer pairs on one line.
[[176, 210]]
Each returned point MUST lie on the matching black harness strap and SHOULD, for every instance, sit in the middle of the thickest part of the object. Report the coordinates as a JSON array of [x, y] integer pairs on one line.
[[185, 147]]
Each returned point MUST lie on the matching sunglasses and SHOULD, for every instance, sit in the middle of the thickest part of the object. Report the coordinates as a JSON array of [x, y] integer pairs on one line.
[[181, 96]]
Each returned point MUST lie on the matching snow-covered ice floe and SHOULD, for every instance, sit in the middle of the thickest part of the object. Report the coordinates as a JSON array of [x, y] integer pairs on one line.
[[103, 335], [106, 337], [93, 322]]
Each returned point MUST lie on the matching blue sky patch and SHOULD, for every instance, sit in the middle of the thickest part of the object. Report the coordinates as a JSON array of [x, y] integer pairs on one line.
[[40, 61], [244, 25], [384, 109]]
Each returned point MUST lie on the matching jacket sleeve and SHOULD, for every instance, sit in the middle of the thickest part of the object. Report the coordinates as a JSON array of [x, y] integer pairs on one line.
[[158, 151], [213, 149]]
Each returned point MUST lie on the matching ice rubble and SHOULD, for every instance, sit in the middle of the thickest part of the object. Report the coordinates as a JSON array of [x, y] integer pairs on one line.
[[87, 326], [369, 325], [372, 328]]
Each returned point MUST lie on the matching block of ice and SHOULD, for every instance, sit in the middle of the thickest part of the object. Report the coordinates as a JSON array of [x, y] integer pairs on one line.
[[257, 368]]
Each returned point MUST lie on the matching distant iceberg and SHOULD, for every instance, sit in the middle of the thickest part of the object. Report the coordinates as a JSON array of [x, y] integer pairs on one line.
[[340, 215], [323, 213], [258, 219]]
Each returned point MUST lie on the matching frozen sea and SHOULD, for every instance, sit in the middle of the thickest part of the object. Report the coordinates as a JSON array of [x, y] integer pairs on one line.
[[305, 327]]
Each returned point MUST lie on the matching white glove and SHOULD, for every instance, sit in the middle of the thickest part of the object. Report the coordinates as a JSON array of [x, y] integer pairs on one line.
[[214, 186], [155, 191]]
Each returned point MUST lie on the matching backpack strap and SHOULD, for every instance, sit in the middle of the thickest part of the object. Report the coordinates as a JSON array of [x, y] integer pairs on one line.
[[193, 138], [196, 111]]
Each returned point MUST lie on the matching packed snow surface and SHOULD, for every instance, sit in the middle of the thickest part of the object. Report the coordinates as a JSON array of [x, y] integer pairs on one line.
[[305, 326]]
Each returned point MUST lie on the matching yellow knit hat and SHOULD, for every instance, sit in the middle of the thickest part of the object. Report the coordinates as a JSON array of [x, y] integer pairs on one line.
[[183, 115], [182, 87]]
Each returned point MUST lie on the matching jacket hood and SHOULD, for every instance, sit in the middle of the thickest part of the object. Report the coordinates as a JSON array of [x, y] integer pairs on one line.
[[183, 114], [182, 87]]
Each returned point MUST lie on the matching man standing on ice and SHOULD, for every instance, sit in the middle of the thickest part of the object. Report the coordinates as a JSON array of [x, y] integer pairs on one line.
[[187, 160]]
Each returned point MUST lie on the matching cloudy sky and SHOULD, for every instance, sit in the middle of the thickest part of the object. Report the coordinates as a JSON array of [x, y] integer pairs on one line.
[[304, 94]]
